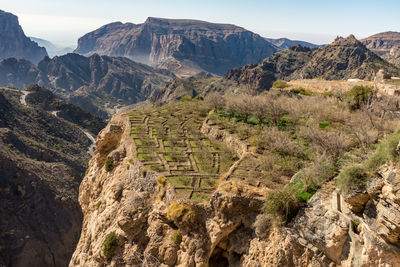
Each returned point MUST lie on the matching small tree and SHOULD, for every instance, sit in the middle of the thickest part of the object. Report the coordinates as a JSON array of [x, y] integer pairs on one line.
[[215, 100], [360, 96]]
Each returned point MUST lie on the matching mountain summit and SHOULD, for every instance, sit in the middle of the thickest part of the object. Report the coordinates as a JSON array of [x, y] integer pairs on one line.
[[14, 43], [343, 59], [186, 47]]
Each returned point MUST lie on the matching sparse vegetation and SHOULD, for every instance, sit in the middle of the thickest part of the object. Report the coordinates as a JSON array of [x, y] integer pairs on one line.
[[110, 244], [108, 164], [282, 203], [180, 212], [360, 96], [176, 237], [280, 84]]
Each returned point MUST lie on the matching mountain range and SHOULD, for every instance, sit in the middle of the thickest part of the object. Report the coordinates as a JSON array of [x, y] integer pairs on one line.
[[343, 59], [285, 43], [185, 47], [52, 49], [14, 43], [98, 84], [385, 44]]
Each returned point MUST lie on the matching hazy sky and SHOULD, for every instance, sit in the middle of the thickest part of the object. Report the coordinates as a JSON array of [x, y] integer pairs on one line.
[[63, 22]]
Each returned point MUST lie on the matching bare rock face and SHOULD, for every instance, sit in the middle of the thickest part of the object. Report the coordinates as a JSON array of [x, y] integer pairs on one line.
[[153, 228], [185, 47], [385, 44], [14, 43]]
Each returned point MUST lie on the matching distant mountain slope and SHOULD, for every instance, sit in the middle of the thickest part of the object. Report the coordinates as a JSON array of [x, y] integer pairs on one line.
[[42, 161], [14, 43], [52, 49], [185, 47], [385, 44], [343, 59], [98, 84], [285, 43]]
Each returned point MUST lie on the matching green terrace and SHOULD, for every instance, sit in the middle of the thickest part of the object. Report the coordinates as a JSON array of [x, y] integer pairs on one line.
[[168, 140]]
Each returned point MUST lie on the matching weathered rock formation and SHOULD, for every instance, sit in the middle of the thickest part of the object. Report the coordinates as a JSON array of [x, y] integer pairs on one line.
[[150, 227], [185, 47], [14, 43]]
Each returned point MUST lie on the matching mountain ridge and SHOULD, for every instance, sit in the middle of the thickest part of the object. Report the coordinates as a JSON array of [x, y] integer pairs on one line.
[[185, 47]]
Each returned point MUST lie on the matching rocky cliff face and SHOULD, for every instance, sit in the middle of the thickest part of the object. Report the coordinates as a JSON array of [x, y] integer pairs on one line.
[[98, 84], [133, 217], [343, 59], [385, 44], [185, 47], [42, 161], [14, 43]]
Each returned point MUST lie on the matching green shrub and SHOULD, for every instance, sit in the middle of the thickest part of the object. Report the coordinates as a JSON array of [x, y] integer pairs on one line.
[[110, 244], [176, 237], [359, 96], [385, 152], [352, 177], [109, 164], [324, 124], [98, 204], [282, 204], [161, 180], [143, 173], [280, 84], [301, 91], [198, 98], [185, 98], [182, 212]]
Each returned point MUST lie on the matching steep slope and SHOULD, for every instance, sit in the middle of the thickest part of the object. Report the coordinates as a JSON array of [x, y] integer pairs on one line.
[[185, 47], [385, 44], [42, 161], [285, 43], [14, 43], [99, 84], [137, 214], [343, 59]]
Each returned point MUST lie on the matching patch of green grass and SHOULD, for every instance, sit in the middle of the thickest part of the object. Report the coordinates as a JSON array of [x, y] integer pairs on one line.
[[208, 183], [108, 164], [110, 245], [324, 124], [180, 181], [200, 197], [176, 237], [280, 84]]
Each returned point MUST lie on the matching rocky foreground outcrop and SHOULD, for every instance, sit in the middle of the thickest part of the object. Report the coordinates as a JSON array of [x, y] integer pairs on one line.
[[132, 217], [14, 43], [185, 47]]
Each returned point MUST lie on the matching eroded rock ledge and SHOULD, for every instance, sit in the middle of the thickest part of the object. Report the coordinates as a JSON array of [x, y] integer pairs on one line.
[[153, 228]]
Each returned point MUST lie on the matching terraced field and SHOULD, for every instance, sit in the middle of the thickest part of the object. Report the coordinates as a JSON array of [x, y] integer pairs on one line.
[[169, 141]]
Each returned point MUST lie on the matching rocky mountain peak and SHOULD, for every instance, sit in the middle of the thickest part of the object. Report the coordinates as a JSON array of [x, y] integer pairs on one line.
[[14, 43], [185, 47]]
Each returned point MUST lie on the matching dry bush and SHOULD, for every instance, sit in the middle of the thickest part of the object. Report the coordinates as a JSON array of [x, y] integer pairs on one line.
[[334, 143], [362, 128], [319, 170], [240, 105], [279, 141], [215, 100], [275, 108]]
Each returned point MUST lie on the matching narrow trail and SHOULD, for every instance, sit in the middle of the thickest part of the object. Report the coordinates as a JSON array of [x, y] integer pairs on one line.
[[90, 137], [22, 98]]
